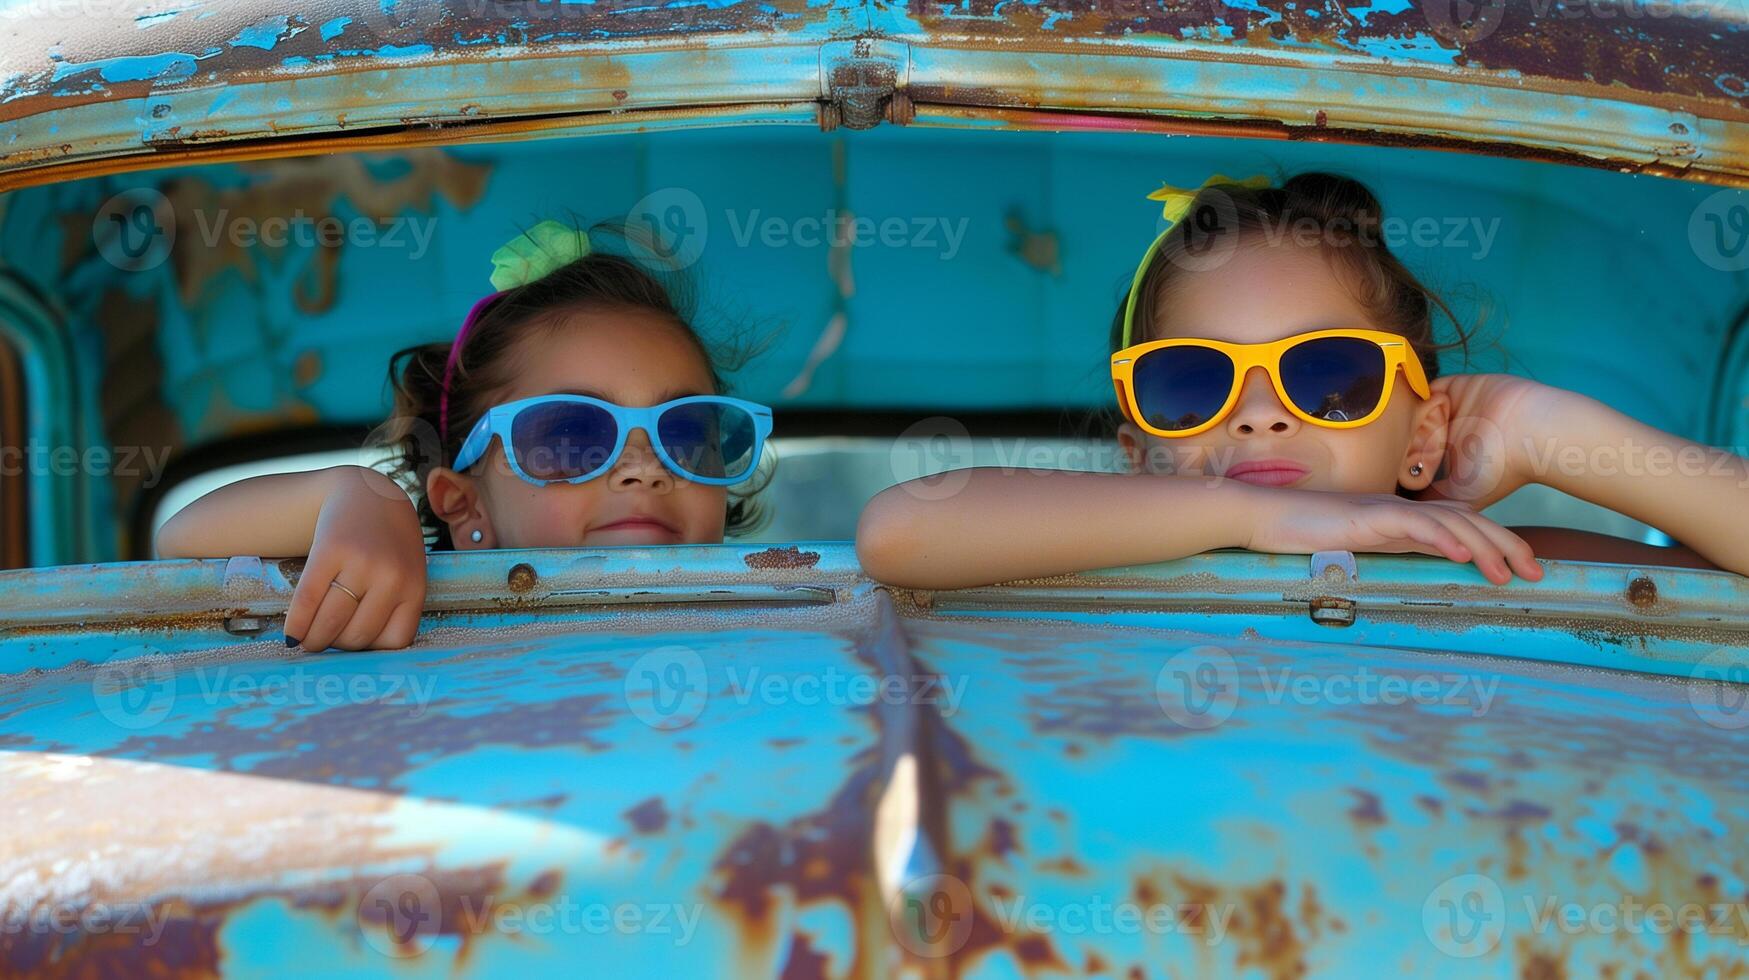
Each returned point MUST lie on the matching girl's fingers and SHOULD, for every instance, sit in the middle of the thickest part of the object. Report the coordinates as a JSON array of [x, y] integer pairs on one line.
[[307, 597], [1484, 552], [402, 626], [378, 601], [1436, 538], [1515, 550], [331, 617]]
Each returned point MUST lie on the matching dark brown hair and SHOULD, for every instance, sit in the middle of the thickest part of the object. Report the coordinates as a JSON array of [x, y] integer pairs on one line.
[[599, 281], [1338, 213]]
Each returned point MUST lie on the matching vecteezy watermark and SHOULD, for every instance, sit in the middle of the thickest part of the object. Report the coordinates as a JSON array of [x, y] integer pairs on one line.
[[37, 459], [135, 229], [677, 226], [932, 915], [1200, 688], [402, 915], [412, 233], [1467, 915], [939, 234], [833, 687], [1718, 230], [670, 687], [667, 687], [1632, 459], [1098, 916], [138, 689], [147, 922], [1470, 234], [1718, 688], [1465, 23]]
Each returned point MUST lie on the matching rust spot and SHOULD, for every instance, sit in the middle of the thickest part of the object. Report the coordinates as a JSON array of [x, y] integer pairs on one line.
[[1643, 592], [1002, 838], [804, 962], [1366, 808], [545, 885], [1321, 120], [619, 95], [791, 557], [648, 817], [522, 577]]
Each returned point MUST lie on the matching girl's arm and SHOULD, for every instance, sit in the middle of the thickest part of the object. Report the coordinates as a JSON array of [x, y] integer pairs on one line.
[[1509, 431], [998, 525], [358, 528], [272, 516], [1694, 493]]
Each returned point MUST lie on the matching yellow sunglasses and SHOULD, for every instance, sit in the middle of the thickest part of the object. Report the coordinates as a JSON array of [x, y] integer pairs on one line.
[[1339, 379]]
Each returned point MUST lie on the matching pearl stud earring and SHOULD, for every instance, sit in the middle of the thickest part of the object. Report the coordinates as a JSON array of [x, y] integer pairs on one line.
[[476, 536], [1413, 471]]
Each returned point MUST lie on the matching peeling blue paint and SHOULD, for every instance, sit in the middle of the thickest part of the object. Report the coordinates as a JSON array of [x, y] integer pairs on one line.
[[265, 34], [174, 66], [332, 29]]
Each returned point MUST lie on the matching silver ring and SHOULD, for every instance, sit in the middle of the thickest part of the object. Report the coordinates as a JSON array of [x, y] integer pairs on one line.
[[336, 585]]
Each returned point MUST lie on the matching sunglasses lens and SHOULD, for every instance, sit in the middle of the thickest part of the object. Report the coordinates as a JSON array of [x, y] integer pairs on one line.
[[1181, 387], [563, 440], [713, 440], [1335, 378]]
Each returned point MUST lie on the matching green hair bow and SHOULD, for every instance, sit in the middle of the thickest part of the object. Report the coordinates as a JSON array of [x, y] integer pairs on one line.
[[536, 253]]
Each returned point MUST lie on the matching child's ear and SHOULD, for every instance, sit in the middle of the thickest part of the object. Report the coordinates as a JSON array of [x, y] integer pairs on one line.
[[1133, 441], [1430, 427], [455, 499]]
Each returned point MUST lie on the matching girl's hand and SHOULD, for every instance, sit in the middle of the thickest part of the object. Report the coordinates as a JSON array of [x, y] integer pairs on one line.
[[367, 539], [1493, 416], [1306, 521]]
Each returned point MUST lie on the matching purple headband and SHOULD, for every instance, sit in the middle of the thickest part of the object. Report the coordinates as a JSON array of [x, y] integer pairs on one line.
[[455, 351]]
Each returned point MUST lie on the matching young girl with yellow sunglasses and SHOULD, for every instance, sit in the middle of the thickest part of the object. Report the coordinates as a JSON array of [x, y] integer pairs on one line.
[[1283, 390]]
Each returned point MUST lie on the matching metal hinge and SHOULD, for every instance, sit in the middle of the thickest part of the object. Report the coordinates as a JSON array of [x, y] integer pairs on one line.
[[1333, 568], [863, 82]]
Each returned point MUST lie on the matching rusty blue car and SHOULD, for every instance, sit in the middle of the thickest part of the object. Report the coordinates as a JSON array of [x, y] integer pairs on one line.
[[217, 219]]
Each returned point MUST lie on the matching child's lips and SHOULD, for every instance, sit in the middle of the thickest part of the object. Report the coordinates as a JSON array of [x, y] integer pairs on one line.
[[638, 526], [1268, 472]]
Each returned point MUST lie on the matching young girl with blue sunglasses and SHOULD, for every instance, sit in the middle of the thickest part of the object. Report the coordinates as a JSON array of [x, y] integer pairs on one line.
[[576, 407], [1275, 368]]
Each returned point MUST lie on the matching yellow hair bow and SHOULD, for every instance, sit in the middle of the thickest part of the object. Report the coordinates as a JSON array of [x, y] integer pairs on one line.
[[1175, 204], [537, 252], [1177, 199]]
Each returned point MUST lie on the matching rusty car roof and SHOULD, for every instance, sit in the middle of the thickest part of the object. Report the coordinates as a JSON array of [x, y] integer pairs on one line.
[[1652, 87]]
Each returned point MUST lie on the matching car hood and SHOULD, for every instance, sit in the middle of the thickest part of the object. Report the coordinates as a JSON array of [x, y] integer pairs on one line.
[[756, 760]]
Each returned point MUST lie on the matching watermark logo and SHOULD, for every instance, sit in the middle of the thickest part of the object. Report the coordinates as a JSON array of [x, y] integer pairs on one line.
[[1465, 916], [1718, 230], [137, 690], [1198, 688], [401, 915], [1461, 22], [134, 230], [667, 688], [932, 915], [1208, 232], [671, 225], [931, 457], [1719, 689]]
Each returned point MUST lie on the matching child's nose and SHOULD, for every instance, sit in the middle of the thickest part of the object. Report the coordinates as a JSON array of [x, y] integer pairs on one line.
[[1259, 410], [639, 466]]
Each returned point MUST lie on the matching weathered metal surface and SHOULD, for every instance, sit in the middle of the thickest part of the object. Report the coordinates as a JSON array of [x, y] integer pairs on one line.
[[1656, 86], [869, 788]]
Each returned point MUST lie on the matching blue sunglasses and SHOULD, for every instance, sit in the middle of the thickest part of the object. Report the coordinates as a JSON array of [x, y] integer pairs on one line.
[[573, 438]]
